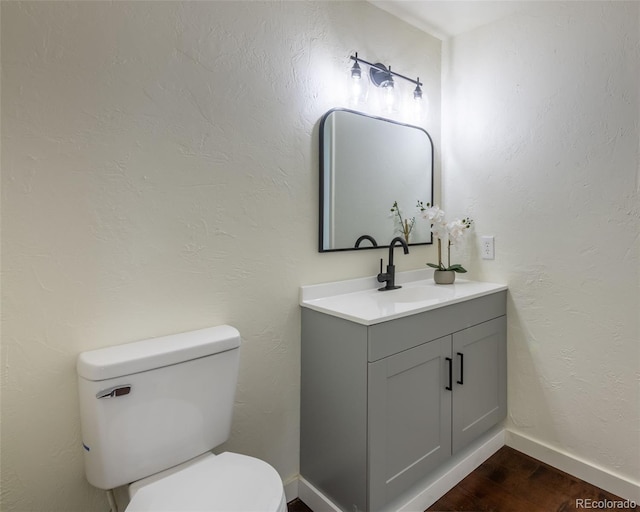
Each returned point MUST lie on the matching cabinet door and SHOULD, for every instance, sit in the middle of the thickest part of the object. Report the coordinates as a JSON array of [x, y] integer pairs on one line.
[[409, 418], [479, 380]]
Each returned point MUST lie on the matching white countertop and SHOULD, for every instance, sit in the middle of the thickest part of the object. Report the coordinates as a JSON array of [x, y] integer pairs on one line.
[[360, 301]]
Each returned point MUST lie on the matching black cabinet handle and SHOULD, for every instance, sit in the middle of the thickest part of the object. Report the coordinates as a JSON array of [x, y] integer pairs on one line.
[[461, 368], [450, 361]]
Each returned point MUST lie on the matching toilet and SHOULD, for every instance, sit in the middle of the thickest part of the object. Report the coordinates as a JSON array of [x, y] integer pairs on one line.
[[151, 412]]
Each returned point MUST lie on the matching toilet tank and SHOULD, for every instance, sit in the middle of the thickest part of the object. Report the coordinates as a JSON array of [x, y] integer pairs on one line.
[[149, 405]]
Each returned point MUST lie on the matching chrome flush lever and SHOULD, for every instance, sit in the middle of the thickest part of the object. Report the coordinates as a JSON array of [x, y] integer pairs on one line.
[[115, 391]]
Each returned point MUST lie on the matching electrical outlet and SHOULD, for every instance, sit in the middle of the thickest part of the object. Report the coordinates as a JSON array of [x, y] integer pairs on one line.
[[487, 248]]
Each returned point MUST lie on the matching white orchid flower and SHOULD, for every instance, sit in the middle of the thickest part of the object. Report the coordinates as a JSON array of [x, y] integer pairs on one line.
[[456, 230], [433, 214]]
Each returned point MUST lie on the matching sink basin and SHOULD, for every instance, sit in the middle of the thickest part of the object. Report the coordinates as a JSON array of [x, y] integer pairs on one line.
[[417, 294]]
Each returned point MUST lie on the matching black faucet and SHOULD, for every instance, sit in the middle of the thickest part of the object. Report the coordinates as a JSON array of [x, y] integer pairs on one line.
[[366, 237], [390, 275]]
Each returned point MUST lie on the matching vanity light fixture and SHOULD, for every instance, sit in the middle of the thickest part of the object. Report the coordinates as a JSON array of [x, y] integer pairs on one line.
[[382, 76]]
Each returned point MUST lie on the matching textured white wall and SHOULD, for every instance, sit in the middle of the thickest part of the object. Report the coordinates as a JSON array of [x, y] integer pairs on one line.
[[159, 174], [540, 125]]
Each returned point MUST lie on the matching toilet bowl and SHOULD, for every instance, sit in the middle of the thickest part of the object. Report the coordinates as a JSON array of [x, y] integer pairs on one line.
[[228, 482], [151, 412]]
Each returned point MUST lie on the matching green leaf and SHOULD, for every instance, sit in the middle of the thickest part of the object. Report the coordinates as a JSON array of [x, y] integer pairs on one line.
[[433, 265]]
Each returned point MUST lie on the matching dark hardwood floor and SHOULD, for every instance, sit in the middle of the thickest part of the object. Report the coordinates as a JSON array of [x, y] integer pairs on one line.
[[510, 481], [297, 506]]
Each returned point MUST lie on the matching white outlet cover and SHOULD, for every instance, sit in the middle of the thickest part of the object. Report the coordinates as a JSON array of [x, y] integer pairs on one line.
[[487, 247]]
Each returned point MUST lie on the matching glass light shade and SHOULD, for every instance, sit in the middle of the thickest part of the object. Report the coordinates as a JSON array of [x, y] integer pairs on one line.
[[389, 100], [419, 108], [358, 88]]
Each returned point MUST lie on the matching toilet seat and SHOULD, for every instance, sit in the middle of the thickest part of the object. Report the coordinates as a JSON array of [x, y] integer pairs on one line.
[[228, 482]]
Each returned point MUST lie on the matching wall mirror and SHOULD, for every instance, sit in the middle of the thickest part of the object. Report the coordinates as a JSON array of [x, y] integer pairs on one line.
[[367, 163]]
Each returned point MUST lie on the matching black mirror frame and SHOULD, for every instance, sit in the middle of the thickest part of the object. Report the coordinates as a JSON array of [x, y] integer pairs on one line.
[[321, 180]]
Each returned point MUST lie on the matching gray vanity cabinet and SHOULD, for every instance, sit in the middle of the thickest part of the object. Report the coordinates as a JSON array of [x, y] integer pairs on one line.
[[479, 380], [409, 417], [383, 405]]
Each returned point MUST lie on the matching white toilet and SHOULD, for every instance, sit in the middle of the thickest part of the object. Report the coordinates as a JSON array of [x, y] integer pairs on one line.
[[152, 410]]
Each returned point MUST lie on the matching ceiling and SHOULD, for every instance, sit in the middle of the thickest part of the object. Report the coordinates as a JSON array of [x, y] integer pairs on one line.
[[447, 18]]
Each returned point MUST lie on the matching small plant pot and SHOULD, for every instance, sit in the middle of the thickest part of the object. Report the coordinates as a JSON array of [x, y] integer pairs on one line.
[[444, 276]]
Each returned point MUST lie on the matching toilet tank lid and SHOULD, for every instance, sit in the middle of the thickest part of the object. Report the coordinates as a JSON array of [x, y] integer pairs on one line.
[[139, 356]]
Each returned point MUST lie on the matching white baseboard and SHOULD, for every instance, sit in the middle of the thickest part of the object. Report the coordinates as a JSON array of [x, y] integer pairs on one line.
[[313, 498], [600, 477], [291, 489], [438, 484]]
